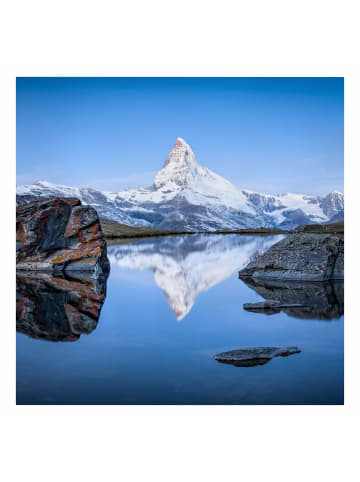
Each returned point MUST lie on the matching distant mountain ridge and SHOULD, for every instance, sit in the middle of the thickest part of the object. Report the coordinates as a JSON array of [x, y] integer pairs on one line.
[[190, 197]]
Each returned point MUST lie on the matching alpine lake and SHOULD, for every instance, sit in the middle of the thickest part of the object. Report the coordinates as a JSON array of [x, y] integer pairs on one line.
[[169, 305]]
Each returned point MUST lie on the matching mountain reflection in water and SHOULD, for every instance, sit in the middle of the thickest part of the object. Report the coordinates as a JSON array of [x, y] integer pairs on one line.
[[185, 266], [58, 308]]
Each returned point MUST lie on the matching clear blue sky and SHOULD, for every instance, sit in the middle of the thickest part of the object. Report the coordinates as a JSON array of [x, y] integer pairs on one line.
[[266, 134]]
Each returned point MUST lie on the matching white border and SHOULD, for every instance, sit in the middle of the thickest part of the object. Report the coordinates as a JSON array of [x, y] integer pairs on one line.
[[197, 38]]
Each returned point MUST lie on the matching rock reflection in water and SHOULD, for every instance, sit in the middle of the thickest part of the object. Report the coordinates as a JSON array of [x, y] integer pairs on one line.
[[58, 308], [318, 300], [185, 266]]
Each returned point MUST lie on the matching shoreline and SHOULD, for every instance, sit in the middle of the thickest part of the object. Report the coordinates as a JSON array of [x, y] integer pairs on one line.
[[136, 236], [113, 231]]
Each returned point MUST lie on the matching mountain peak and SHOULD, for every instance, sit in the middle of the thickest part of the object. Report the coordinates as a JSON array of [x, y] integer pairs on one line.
[[180, 142], [178, 167]]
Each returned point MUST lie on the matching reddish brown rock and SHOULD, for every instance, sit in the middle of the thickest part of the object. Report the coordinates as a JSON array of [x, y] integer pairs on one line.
[[58, 308], [59, 235], [178, 143]]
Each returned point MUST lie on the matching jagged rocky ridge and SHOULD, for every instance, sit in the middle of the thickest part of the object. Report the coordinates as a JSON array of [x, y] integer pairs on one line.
[[60, 235], [187, 196]]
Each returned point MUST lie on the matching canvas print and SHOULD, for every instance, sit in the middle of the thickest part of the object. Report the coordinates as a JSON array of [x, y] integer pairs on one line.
[[180, 241]]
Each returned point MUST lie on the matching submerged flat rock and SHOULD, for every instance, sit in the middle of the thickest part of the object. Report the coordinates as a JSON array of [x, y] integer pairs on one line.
[[262, 305], [269, 307], [249, 357], [59, 235], [300, 257]]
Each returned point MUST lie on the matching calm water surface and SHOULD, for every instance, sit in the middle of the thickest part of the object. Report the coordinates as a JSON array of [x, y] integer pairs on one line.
[[171, 305]]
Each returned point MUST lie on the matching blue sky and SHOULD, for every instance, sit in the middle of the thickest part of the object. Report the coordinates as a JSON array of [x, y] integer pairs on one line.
[[270, 135]]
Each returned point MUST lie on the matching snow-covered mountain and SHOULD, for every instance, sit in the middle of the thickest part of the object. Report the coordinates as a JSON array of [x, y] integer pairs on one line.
[[185, 266], [190, 197]]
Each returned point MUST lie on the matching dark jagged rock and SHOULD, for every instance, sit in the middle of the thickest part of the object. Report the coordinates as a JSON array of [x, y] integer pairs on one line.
[[58, 308], [315, 301], [24, 199], [300, 257], [59, 235], [250, 357]]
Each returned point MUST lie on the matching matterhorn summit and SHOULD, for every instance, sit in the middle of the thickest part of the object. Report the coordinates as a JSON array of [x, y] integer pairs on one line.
[[190, 197], [180, 167]]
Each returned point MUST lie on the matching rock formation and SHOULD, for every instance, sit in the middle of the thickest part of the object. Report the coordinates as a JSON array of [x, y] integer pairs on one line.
[[300, 257], [58, 235], [58, 308], [250, 357]]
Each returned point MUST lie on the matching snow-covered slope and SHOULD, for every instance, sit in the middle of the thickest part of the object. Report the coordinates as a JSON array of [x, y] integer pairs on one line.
[[200, 186], [188, 196], [185, 266]]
